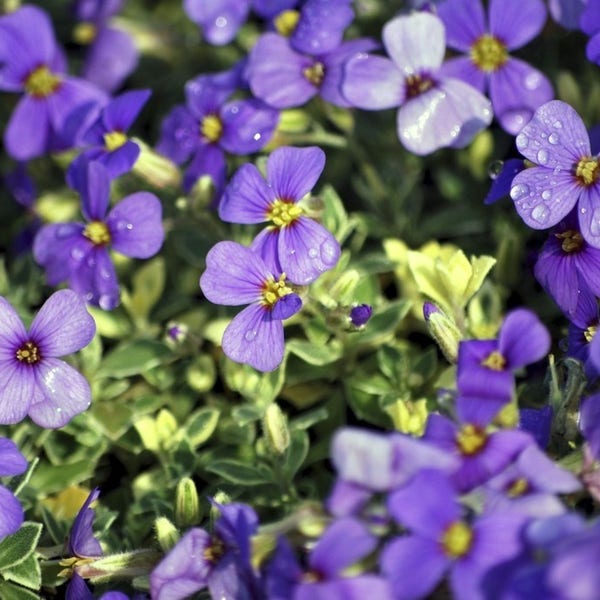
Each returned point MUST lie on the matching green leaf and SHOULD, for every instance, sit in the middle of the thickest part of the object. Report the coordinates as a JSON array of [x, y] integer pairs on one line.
[[241, 473], [27, 573], [15, 548], [51, 479], [114, 324], [314, 354], [296, 452], [57, 529], [201, 425], [10, 591], [148, 285], [131, 358]]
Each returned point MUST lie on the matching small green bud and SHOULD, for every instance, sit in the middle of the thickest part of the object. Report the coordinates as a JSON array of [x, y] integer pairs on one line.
[[166, 533], [156, 169], [443, 330], [187, 505], [275, 428]]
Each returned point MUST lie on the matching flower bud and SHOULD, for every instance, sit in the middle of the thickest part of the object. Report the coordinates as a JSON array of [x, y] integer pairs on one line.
[[275, 429], [360, 314], [443, 330], [155, 168], [166, 533], [187, 506]]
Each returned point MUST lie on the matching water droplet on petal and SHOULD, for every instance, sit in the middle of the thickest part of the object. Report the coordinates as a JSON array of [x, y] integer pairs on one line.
[[329, 253], [250, 335], [542, 157], [583, 211], [546, 194], [557, 124], [106, 302], [256, 137], [221, 22], [313, 253], [522, 141], [519, 190], [540, 214], [595, 223], [495, 169], [553, 138], [533, 80], [76, 254]]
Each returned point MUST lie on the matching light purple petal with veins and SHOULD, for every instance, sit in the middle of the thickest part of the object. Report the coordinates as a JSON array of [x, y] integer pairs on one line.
[[372, 82], [11, 516], [516, 91], [293, 172], [416, 42], [17, 389], [234, 275], [62, 325], [523, 339], [516, 22], [266, 245], [247, 198], [93, 184], [589, 215], [95, 279], [65, 393], [12, 330], [306, 250], [120, 113], [12, 462], [464, 20], [463, 68], [542, 197], [557, 130], [254, 338], [135, 225], [447, 115]]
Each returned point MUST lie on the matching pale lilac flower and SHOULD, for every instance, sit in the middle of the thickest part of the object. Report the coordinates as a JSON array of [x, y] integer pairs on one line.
[[516, 89], [33, 381], [435, 111], [12, 462], [301, 247]]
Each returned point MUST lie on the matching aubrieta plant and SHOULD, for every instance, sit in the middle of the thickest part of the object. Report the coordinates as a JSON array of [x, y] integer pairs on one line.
[[260, 342]]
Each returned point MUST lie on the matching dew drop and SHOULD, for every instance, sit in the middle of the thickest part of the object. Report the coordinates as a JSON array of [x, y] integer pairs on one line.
[[63, 231], [106, 302], [250, 335], [76, 254], [546, 194], [221, 22], [557, 124], [522, 141], [330, 252], [313, 253], [542, 157], [583, 211], [519, 190], [256, 137], [595, 224], [495, 169], [553, 138], [540, 214]]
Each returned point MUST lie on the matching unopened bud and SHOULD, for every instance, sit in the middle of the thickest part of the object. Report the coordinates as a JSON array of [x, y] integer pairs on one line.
[[443, 330], [176, 333], [156, 169], [276, 429], [187, 505], [166, 533], [360, 314]]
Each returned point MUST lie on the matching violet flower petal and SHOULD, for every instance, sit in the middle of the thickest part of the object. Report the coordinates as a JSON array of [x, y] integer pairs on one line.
[[17, 391], [93, 184], [12, 462], [515, 22], [27, 133], [463, 68], [286, 307], [293, 172], [464, 21], [120, 113], [220, 20], [179, 135], [247, 126], [589, 200], [209, 160], [12, 330], [82, 542], [62, 325], [11, 515], [523, 339]]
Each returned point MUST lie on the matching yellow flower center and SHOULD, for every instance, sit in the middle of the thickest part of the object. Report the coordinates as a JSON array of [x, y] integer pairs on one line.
[[488, 53], [285, 22], [315, 73], [587, 171], [41, 82], [85, 33], [214, 551], [572, 240], [590, 332], [29, 353], [470, 439], [114, 140], [273, 291], [211, 128], [97, 232], [494, 361], [517, 488], [417, 85], [457, 539], [283, 213]]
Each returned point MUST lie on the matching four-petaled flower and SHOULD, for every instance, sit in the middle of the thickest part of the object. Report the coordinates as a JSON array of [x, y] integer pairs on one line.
[[236, 275], [33, 381]]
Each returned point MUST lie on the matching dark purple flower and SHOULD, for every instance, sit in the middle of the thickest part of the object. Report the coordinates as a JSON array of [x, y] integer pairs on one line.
[[106, 139], [565, 174], [589, 22], [12, 462], [235, 275], [210, 124], [284, 77], [567, 264], [342, 544], [299, 245], [485, 367], [32, 62], [516, 89], [442, 540], [435, 110], [111, 56], [79, 252], [582, 333], [360, 315], [537, 422], [82, 542], [502, 181], [33, 381], [219, 561]]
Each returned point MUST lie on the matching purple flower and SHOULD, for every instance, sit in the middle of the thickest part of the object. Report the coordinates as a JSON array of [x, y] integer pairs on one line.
[[360, 315], [112, 55], [220, 561], [106, 138], [33, 381], [485, 367], [441, 539], [516, 89], [82, 542], [79, 252], [565, 174], [235, 275], [502, 181], [210, 125], [567, 12], [590, 24], [581, 338], [283, 77], [32, 62], [219, 20], [12, 463], [566, 264], [590, 423], [435, 110], [538, 423], [299, 245], [342, 544]]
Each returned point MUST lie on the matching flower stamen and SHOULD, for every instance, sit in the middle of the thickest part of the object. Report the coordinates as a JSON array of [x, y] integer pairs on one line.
[[457, 539], [113, 140], [417, 85], [315, 73], [285, 22], [211, 128], [494, 361], [283, 213], [587, 171], [488, 53], [97, 232], [471, 439], [41, 82], [273, 291], [29, 353], [572, 240]]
